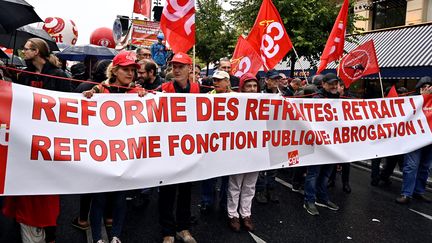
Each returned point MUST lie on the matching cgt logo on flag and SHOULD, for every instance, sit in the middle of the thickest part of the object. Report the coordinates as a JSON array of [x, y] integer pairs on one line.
[[355, 64], [4, 135], [293, 158]]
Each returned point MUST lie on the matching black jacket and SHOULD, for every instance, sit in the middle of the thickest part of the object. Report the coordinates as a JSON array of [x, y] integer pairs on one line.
[[152, 86], [322, 93], [46, 82]]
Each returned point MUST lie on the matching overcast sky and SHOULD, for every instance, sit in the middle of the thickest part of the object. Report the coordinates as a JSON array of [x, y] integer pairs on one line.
[[88, 15]]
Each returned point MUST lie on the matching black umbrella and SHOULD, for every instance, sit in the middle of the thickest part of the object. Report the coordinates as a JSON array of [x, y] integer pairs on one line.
[[16, 13], [79, 53], [19, 37]]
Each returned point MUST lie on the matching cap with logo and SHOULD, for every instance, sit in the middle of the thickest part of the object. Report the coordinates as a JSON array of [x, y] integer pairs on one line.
[[125, 58], [181, 57]]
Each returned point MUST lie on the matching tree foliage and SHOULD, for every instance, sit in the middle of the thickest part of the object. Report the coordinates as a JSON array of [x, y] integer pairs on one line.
[[308, 22], [214, 38]]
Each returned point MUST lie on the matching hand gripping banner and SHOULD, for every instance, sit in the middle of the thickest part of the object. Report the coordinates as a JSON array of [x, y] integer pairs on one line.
[[62, 143]]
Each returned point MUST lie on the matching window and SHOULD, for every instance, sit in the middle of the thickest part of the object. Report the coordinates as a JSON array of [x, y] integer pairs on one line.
[[388, 13]]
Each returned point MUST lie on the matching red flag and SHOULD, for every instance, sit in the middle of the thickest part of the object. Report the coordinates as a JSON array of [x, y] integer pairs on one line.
[[142, 7], [178, 24], [334, 47], [245, 59], [268, 36], [359, 62], [392, 93]]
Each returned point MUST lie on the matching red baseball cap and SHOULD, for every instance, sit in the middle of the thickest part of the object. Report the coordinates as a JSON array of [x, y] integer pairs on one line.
[[182, 57], [126, 58]]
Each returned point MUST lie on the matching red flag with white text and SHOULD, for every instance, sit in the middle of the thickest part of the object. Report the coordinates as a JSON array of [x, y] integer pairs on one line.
[[178, 24], [245, 59], [334, 47], [268, 36], [142, 7], [359, 62]]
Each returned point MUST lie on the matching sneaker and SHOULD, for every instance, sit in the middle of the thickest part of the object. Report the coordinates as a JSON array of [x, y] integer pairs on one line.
[[422, 197], [402, 199], [115, 240], [248, 224], [185, 236], [261, 197], [234, 224], [311, 208], [328, 204], [99, 241], [273, 197], [168, 239]]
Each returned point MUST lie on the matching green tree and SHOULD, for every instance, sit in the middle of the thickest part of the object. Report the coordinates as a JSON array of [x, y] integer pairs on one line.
[[214, 38], [308, 23]]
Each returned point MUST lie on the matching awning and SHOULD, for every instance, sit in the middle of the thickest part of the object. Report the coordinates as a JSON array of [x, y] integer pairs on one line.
[[410, 46]]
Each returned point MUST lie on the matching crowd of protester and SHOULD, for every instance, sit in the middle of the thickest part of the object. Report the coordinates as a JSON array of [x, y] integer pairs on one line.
[[147, 70]]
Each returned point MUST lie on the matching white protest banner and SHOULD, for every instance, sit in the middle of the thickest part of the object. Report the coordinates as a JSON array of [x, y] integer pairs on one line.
[[61, 143]]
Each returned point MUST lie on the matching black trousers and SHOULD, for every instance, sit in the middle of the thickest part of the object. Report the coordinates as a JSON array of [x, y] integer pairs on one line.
[[180, 220], [346, 167], [388, 169]]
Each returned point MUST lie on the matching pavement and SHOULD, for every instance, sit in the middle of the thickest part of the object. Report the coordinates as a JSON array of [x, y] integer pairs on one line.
[[368, 214]]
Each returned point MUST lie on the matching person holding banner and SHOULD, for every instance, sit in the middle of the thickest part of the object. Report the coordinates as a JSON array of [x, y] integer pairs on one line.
[[265, 186], [120, 75], [221, 84], [225, 65], [241, 187], [177, 225], [315, 188], [38, 212], [417, 164]]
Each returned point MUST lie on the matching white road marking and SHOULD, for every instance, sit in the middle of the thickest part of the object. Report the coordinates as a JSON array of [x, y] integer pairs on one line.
[[422, 214], [256, 238], [287, 184]]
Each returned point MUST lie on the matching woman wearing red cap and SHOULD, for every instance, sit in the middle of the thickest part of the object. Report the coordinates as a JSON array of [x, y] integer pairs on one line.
[[241, 187], [120, 75]]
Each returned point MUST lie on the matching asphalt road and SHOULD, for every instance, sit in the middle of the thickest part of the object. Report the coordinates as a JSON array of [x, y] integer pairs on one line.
[[368, 214]]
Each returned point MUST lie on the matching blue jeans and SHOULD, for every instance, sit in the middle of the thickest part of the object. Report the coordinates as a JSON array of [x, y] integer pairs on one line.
[[98, 208], [316, 183], [417, 165], [208, 191]]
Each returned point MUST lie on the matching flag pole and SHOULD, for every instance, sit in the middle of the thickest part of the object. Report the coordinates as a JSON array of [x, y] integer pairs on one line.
[[337, 66], [301, 66], [193, 66], [382, 89], [131, 19]]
